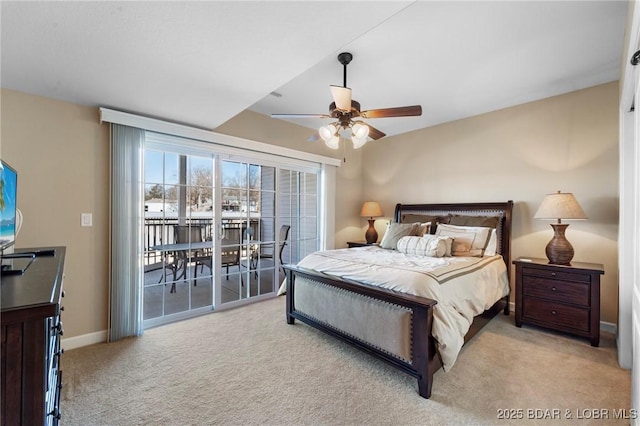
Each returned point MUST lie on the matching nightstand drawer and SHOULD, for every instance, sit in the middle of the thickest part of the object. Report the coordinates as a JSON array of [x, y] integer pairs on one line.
[[560, 275], [560, 291], [556, 315]]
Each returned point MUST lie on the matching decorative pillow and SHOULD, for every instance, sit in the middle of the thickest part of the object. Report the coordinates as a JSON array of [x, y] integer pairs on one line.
[[423, 229], [395, 231], [428, 245], [492, 246], [484, 221], [422, 218], [467, 240]]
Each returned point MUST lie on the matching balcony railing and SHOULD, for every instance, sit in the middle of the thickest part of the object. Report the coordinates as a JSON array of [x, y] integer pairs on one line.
[[158, 231]]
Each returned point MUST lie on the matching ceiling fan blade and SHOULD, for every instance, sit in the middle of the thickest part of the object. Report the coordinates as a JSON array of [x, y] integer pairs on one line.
[[374, 133], [300, 116], [342, 97], [405, 111], [314, 137]]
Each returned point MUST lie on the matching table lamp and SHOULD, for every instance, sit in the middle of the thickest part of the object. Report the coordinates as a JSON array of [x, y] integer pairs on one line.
[[559, 206], [371, 209]]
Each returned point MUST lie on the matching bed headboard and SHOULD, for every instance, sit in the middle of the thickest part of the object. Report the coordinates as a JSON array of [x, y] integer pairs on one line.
[[502, 210]]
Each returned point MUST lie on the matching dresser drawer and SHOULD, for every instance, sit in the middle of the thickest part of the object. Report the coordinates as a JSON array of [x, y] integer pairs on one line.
[[557, 315], [560, 275], [555, 289]]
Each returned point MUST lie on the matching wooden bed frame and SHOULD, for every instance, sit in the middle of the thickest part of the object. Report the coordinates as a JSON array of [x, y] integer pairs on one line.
[[424, 357]]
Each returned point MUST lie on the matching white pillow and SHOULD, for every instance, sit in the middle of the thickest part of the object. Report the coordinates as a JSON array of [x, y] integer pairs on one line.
[[467, 240], [492, 246], [427, 245]]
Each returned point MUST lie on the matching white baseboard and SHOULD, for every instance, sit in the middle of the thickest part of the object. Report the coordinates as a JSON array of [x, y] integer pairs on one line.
[[101, 336], [84, 340], [608, 327]]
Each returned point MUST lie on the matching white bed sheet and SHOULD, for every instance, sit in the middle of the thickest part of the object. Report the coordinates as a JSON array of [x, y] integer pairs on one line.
[[463, 286]]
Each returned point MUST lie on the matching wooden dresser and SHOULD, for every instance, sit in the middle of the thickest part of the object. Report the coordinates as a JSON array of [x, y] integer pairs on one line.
[[560, 297], [31, 330]]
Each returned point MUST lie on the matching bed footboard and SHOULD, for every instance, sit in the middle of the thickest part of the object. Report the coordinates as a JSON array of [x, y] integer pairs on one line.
[[392, 326]]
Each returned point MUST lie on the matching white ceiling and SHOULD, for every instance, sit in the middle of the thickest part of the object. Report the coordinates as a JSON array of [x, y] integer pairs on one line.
[[201, 63]]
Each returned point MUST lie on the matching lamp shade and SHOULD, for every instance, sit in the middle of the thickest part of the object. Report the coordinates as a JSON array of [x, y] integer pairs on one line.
[[371, 209], [560, 206]]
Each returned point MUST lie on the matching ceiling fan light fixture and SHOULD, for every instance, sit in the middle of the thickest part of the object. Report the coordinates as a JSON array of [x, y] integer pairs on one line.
[[361, 131], [358, 142], [359, 135], [333, 142], [327, 132]]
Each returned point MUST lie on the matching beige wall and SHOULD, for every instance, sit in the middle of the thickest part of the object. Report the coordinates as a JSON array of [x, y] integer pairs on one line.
[[568, 143], [61, 154]]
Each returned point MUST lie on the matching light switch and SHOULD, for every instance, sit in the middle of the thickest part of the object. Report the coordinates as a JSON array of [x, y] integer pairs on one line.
[[86, 219]]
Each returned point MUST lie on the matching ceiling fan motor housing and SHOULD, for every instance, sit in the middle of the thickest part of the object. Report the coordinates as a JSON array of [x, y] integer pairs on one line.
[[345, 117]]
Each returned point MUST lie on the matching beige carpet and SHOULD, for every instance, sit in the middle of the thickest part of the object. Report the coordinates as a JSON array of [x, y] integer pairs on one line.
[[247, 366]]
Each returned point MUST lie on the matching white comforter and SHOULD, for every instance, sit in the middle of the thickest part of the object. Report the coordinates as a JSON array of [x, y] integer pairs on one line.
[[463, 286]]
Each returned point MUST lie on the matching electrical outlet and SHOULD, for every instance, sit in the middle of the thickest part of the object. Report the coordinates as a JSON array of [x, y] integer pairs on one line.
[[86, 219]]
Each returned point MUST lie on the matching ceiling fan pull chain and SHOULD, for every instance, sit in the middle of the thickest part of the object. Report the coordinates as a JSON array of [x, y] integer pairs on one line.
[[344, 152]]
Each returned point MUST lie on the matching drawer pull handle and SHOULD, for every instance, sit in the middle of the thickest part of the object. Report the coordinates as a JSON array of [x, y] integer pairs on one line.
[[553, 274], [553, 289], [553, 312]]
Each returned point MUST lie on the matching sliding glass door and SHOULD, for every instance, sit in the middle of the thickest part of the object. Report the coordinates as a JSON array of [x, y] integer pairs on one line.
[[248, 223], [179, 244], [217, 227], [298, 207]]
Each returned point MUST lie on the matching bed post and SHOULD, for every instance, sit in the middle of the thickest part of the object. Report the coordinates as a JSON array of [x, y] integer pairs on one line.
[[506, 247], [290, 277], [421, 327]]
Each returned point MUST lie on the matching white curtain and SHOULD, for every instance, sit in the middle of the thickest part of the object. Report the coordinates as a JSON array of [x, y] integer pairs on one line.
[[126, 317]]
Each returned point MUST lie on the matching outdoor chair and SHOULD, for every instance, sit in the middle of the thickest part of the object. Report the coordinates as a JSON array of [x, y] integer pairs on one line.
[[190, 234]]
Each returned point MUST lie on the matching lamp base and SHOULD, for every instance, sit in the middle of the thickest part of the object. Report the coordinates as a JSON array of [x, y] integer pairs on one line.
[[371, 235], [559, 250]]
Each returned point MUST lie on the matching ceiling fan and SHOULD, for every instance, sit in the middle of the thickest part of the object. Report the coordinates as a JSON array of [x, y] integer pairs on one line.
[[345, 110]]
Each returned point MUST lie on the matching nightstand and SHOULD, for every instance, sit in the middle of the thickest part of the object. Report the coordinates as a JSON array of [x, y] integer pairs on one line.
[[559, 297], [353, 244]]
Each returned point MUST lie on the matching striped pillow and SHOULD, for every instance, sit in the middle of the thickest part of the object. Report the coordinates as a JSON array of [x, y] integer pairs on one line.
[[427, 245]]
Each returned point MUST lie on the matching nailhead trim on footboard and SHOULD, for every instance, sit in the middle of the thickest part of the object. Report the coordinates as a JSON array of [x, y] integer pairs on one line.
[[383, 325]]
